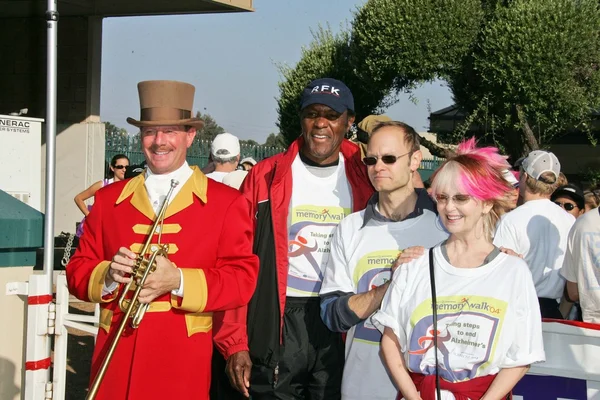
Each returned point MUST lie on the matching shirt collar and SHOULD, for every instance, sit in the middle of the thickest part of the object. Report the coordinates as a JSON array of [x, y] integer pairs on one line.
[[196, 185], [181, 171], [424, 202]]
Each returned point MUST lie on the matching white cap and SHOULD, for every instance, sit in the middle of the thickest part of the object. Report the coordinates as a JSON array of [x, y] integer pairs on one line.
[[540, 161], [235, 178], [225, 145], [510, 178], [248, 160]]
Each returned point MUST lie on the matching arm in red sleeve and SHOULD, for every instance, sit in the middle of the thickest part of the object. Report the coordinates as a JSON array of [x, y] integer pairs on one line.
[[231, 282], [229, 331]]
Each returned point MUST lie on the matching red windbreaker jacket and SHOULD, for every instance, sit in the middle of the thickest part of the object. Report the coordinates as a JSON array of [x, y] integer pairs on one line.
[[257, 327]]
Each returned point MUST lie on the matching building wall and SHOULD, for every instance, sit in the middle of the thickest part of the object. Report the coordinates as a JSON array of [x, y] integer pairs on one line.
[[79, 163], [23, 67], [79, 135], [12, 335], [576, 159]]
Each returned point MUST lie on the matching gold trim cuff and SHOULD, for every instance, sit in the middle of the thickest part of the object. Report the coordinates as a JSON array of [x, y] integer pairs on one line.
[[96, 284], [195, 291]]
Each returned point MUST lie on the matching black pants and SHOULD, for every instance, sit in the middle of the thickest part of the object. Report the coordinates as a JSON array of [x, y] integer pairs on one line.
[[311, 362], [549, 308]]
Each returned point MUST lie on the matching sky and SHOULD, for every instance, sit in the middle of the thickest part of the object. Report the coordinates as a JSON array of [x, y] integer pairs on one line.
[[232, 61]]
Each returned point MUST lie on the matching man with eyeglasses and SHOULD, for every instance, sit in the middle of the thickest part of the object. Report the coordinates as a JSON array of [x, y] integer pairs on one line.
[[278, 347], [538, 229], [364, 248]]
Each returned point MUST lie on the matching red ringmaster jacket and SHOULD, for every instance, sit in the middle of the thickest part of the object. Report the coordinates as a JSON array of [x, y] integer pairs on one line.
[[208, 227], [257, 327]]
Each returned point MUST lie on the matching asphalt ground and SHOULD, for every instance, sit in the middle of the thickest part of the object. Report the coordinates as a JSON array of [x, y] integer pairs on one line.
[[79, 356]]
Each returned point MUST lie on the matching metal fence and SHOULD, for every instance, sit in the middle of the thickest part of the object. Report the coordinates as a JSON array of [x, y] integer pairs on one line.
[[428, 167], [197, 154]]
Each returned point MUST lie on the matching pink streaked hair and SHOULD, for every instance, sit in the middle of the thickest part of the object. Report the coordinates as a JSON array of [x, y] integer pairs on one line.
[[474, 171]]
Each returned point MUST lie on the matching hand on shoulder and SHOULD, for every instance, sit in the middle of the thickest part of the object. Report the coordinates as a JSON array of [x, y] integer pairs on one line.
[[408, 255]]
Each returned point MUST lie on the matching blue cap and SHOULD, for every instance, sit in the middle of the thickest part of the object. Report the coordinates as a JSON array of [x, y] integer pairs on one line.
[[329, 92]]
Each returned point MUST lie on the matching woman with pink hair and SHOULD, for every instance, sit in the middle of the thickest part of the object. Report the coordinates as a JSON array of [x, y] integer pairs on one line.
[[463, 321]]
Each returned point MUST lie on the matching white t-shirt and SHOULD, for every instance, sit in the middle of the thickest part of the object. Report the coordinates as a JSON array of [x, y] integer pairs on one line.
[[360, 261], [217, 175], [582, 263], [317, 206], [488, 317], [538, 230]]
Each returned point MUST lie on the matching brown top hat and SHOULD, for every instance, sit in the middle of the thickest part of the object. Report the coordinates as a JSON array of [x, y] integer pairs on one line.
[[166, 103]]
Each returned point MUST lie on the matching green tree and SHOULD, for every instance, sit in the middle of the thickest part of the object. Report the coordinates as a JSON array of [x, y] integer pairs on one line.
[[211, 128], [113, 130], [533, 73], [326, 56], [275, 140], [397, 44], [114, 135], [524, 70], [391, 47], [249, 142]]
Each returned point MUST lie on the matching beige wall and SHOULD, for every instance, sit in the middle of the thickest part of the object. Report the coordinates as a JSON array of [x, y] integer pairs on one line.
[[79, 163], [12, 334]]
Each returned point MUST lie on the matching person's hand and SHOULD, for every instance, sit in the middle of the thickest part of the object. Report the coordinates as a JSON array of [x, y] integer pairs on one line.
[[510, 252], [121, 265], [164, 279], [238, 370], [408, 255]]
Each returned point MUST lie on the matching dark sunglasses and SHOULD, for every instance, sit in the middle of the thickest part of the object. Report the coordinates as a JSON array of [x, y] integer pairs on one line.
[[387, 159], [120, 166], [459, 199], [566, 206]]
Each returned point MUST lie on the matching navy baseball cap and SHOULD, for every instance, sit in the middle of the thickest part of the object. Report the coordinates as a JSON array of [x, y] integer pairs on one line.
[[329, 92]]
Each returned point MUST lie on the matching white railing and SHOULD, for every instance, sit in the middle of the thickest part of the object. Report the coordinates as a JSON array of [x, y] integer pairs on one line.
[[64, 320]]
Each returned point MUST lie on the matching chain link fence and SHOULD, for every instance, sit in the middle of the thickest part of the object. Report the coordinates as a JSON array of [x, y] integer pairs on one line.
[[428, 167], [197, 154]]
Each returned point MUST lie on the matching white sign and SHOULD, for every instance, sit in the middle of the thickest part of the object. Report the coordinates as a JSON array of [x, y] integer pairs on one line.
[[14, 125]]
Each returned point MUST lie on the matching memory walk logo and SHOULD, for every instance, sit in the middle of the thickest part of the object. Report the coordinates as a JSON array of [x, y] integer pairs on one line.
[[385, 261], [324, 215], [466, 305]]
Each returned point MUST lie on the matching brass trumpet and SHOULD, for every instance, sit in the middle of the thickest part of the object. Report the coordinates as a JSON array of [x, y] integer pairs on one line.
[[132, 307]]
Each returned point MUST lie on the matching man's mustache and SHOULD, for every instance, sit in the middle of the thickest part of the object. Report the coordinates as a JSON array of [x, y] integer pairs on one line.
[[159, 148]]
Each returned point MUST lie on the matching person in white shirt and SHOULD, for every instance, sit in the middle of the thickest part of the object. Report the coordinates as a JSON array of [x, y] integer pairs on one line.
[[364, 247], [581, 267], [462, 320], [247, 163], [538, 229], [225, 154]]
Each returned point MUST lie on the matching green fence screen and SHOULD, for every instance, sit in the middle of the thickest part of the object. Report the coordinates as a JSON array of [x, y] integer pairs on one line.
[[200, 150], [197, 154]]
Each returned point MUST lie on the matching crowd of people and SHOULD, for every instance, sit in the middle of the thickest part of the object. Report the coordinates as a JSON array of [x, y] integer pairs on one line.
[[312, 280]]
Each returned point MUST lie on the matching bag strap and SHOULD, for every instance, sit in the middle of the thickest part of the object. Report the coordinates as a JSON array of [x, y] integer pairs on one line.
[[435, 330]]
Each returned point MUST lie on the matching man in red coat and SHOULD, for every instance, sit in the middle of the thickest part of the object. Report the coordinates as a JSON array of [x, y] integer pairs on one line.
[[210, 267], [278, 347]]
